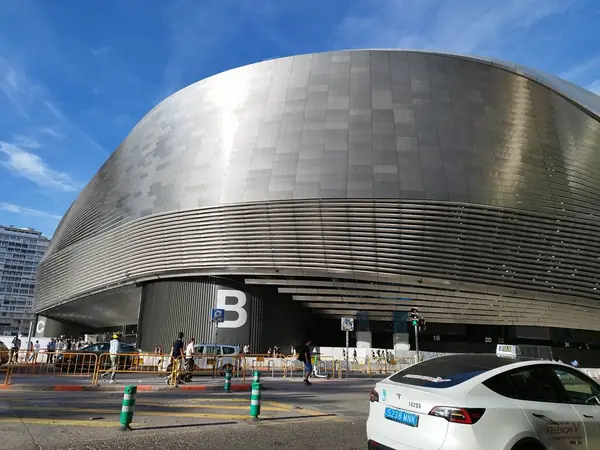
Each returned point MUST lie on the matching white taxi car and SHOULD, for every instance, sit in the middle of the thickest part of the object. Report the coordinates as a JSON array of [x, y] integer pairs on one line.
[[485, 402]]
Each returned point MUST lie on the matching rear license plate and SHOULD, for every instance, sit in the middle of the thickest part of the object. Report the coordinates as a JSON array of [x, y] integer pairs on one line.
[[403, 417]]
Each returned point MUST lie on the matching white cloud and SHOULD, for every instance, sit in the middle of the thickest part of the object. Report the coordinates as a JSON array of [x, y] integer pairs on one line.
[[99, 51], [582, 69], [54, 110], [16, 87], [26, 142], [33, 168], [52, 132], [595, 87], [12, 208], [461, 26]]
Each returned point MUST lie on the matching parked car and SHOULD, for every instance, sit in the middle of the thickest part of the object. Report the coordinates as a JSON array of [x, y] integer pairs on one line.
[[225, 357], [4, 352], [82, 360]]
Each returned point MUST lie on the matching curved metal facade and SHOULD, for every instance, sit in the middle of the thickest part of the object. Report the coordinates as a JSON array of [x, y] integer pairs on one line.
[[455, 179]]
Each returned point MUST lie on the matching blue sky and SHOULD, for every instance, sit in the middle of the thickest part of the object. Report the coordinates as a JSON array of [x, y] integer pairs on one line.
[[76, 76]]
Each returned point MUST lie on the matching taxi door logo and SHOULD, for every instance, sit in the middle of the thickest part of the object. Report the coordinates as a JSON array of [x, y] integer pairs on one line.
[[384, 395], [225, 299]]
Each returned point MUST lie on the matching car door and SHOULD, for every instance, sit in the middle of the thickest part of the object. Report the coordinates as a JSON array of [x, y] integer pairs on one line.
[[584, 396], [541, 396]]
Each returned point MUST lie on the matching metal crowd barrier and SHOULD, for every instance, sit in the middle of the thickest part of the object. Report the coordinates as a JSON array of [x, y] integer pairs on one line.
[[58, 364], [131, 363], [206, 364]]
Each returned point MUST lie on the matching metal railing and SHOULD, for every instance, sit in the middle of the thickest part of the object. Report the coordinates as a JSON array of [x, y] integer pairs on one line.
[[59, 364], [139, 363], [174, 370]]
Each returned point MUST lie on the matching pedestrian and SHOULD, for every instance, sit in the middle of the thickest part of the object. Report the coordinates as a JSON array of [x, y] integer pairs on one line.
[[36, 350], [15, 345], [50, 349], [159, 359], [304, 356], [189, 359], [115, 347], [269, 352], [177, 355]]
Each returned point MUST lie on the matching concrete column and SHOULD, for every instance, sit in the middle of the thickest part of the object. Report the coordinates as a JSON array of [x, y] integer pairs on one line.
[[401, 342], [364, 339]]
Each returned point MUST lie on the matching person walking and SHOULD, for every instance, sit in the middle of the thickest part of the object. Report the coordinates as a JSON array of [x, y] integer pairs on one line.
[[304, 356], [189, 359], [36, 350], [115, 347], [50, 349], [15, 345], [177, 355]]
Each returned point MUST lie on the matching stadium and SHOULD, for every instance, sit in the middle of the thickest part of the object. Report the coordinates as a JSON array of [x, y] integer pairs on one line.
[[300, 190]]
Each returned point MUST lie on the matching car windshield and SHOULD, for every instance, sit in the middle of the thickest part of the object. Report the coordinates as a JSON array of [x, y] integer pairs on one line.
[[448, 371]]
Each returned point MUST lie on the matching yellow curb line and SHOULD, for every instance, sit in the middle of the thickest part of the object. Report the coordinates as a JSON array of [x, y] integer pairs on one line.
[[299, 409], [69, 407], [149, 413], [137, 413], [61, 422]]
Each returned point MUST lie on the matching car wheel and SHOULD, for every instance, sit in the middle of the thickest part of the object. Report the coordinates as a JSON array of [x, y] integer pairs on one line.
[[529, 444]]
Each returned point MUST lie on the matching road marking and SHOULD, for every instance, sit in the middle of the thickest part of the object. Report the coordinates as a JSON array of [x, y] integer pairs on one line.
[[63, 405], [60, 422], [78, 400], [137, 413], [299, 409]]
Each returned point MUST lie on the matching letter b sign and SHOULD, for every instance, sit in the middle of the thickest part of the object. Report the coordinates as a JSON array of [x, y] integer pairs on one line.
[[238, 307]]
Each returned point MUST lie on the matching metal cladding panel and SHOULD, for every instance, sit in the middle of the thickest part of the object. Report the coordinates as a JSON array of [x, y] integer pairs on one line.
[[367, 164], [173, 306]]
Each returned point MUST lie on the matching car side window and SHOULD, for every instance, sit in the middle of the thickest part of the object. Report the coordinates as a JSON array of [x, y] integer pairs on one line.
[[211, 350], [228, 350], [537, 384], [199, 349], [580, 390], [502, 385], [104, 347], [92, 348]]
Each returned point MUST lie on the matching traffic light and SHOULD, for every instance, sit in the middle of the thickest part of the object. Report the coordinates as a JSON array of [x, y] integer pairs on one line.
[[414, 316]]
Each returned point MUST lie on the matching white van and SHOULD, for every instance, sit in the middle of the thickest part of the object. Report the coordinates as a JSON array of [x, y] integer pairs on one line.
[[226, 356]]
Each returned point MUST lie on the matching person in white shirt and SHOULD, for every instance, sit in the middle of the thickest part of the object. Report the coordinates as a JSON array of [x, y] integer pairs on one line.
[[115, 347], [36, 350], [189, 359]]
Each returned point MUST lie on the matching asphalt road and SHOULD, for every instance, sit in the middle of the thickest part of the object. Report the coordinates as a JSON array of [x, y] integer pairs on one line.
[[329, 414]]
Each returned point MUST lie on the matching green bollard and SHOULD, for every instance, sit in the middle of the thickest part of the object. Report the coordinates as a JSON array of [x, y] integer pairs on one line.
[[227, 380], [255, 401], [128, 407], [256, 378]]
